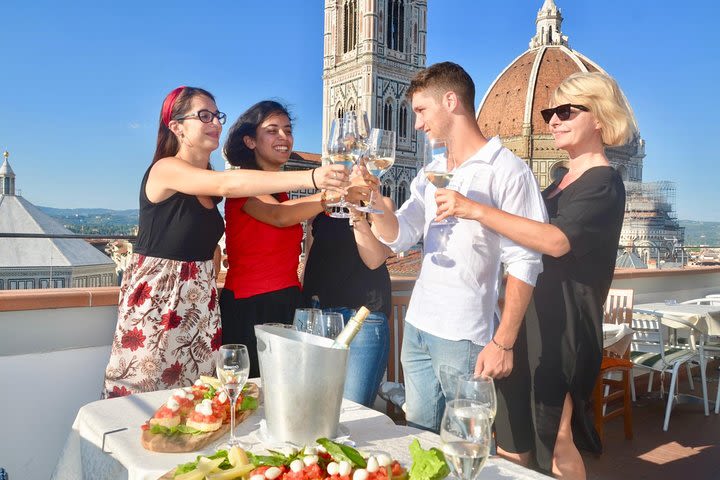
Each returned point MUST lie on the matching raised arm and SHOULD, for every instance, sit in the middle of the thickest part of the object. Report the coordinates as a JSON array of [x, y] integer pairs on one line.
[[541, 237], [171, 175], [372, 252]]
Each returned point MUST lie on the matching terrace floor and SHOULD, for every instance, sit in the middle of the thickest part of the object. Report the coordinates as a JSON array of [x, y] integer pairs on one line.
[[690, 449]]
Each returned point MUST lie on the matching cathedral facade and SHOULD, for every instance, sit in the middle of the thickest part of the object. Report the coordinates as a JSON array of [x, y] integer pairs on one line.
[[372, 49]]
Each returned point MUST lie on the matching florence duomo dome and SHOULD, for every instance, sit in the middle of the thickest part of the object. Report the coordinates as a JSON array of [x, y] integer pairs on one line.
[[511, 106]]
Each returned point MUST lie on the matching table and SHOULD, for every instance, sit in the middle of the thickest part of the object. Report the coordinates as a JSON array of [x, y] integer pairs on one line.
[[104, 442], [616, 337], [705, 317]]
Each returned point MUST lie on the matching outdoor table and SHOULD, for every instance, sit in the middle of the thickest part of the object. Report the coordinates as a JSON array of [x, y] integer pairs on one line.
[[705, 317], [104, 442], [616, 337]]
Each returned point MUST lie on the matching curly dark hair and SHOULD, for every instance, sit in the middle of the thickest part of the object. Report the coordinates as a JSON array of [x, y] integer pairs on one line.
[[235, 150]]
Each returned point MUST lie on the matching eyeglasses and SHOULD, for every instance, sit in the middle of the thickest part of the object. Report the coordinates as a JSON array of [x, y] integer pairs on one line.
[[205, 116], [562, 111]]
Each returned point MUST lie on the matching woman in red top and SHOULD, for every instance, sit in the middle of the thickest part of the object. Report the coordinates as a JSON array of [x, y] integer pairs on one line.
[[263, 234]]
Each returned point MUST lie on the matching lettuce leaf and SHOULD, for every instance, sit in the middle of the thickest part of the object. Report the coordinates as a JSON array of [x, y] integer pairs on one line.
[[249, 403], [176, 430], [427, 464]]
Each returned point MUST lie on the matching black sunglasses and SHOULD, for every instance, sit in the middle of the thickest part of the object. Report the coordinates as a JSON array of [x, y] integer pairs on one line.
[[205, 116], [562, 111]]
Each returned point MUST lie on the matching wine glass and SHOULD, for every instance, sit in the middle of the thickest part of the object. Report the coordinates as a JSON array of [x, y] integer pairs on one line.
[[466, 434], [329, 325], [436, 169], [479, 389], [232, 363], [305, 319], [380, 157], [342, 149]]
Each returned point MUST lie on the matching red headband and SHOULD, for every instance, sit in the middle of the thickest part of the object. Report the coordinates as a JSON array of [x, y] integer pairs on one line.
[[168, 105]]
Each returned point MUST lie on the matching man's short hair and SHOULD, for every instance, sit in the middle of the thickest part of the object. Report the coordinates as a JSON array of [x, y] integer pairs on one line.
[[442, 77]]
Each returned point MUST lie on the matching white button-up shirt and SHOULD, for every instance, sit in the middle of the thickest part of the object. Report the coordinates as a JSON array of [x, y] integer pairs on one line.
[[455, 296]]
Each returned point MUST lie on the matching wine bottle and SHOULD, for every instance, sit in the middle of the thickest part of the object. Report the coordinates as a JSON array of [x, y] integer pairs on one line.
[[353, 326]]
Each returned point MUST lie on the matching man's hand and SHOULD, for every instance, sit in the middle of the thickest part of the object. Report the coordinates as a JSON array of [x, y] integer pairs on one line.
[[453, 204], [494, 362]]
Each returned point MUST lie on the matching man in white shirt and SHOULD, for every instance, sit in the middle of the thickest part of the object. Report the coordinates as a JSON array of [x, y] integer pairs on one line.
[[454, 305]]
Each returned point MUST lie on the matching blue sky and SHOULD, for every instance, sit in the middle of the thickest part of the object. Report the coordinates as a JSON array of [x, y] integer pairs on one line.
[[82, 81]]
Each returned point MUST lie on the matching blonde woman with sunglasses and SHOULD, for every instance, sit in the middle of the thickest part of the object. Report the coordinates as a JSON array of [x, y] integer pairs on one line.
[[542, 405]]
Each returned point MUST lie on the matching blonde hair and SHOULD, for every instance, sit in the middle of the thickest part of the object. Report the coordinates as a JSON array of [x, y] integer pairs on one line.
[[603, 97]]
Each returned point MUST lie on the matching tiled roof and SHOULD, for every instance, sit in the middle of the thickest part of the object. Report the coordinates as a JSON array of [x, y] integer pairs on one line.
[[506, 103]]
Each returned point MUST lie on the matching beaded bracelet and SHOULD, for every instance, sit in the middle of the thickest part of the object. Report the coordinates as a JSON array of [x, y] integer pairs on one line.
[[501, 347]]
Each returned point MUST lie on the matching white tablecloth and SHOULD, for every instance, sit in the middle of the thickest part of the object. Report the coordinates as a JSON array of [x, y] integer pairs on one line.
[[616, 338], [705, 317], [104, 442]]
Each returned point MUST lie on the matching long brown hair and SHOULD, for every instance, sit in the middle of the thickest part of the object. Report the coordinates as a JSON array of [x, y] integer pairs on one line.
[[167, 142]]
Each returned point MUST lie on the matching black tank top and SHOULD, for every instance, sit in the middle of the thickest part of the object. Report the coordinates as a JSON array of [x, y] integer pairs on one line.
[[178, 228], [336, 273]]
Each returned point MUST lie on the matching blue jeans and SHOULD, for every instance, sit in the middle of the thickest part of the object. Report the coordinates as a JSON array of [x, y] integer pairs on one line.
[[421, 356], [368, 357]]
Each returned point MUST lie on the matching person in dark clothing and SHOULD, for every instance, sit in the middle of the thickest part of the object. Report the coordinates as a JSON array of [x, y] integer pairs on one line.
[[345, 269], [542, 405]]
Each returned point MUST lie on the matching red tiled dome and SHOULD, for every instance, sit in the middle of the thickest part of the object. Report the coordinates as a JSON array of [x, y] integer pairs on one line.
[[518, 94]]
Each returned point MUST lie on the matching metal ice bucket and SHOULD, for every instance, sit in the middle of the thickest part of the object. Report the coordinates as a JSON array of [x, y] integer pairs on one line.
[[302, 384]]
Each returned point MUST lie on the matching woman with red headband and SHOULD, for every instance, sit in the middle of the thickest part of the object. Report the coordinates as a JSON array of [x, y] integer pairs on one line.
[[168, 319]]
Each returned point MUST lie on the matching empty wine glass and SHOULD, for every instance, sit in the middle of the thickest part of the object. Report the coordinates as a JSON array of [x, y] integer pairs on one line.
[[232, 364], [379, 158], [466, 434], [479, 389], [305, 318], [329, 325], [437, 170]]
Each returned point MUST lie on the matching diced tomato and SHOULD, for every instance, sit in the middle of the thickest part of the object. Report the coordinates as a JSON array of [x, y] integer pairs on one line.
[[196, 416], [165, 412], [397, 469], [144, 427]]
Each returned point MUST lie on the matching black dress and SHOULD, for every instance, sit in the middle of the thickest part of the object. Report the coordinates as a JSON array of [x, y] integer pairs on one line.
[[336, 273], [564, 326]]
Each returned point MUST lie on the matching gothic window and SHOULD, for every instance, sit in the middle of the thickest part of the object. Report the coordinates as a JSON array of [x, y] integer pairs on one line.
[[387, 115], [403, 121], [340, 112], [401, 193], [350, 22], [387, 190], [395, 30], [350, 107]]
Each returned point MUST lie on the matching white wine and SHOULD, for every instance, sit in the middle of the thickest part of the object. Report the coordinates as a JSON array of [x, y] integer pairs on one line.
[[439, 179], [344, 159], [466, 459], [352, 328], [379, 165], [233, 380]]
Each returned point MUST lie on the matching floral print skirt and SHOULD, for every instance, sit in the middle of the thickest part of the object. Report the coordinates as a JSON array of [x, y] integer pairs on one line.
[[168, 326]]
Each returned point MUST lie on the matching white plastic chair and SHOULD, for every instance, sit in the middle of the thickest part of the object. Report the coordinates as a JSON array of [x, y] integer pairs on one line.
[[652, 350]]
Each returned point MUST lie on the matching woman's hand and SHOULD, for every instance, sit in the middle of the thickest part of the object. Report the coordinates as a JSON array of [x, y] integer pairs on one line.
[[453, 204], [333, 177]]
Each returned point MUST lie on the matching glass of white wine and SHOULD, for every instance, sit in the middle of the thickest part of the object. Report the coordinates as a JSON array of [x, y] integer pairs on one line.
[[232, 364], [466, 434], [342, 149], [379, 158], [436, 169]]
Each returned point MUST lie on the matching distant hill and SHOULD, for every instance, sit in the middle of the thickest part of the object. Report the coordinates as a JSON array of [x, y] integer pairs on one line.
[[95, 221], [701, 233]]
